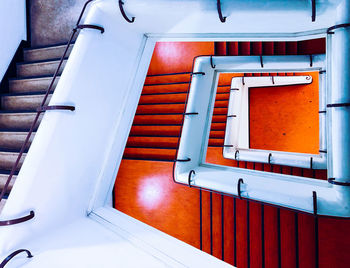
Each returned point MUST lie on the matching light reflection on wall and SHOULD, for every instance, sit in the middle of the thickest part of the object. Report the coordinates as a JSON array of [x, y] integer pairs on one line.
[[150, 194]]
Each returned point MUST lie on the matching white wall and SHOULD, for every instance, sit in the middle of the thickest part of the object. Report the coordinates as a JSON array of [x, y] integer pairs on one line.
[[12, 30]]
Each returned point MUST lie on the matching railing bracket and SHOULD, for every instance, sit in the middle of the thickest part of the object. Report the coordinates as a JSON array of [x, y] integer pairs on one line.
[[202, 73], [218, 5], [12, 255], [269, 158], [311, 159], [237, 152], [311, 61], [313, 7], [19, 220], [121, 3], [343, 25], [333, 181], [90, 26], [240, 181], [55, 107], [189, 177], [211, 62], [261, 62], [334, 105], [183, 160]]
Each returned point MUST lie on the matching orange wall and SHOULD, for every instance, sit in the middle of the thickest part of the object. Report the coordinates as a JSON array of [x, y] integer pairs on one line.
[[144, 188]]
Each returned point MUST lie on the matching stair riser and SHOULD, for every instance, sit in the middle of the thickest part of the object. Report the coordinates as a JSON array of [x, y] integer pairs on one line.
[[17, 121], [30, 85], [49, 53], [14, 140], [22, 102], [7, 160], [161, 154], [38, 69]]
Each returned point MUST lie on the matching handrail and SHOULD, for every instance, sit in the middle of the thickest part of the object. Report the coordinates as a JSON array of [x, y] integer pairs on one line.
[[18, 220], [121, 3], [13, 254], [40, 110], [218, 5]]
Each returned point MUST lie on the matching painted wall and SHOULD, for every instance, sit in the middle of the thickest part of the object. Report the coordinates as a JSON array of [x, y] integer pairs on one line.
[[242, 233], [12, 29], [51, 22]]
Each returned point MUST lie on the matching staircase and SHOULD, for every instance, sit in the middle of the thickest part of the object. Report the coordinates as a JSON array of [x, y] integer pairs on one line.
[[157, 123], [18, 106]]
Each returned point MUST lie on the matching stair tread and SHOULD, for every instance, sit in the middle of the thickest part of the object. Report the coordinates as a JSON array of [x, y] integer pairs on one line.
[[24, 94], [59, 45], [33, 78], [49, 61]]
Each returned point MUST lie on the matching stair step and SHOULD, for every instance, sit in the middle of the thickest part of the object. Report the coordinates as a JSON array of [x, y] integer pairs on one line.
[[14, 140], [27, 85], [165, 88], [3, 179], [168, 131], [176, 87], [163, 142], [44, 68], [8, 159], [18, 120], [152, 142], [149, 154], [173, 98], [27, 102], [155, 130], [220, 108], [46, 53], [168, 78], [164, 119]]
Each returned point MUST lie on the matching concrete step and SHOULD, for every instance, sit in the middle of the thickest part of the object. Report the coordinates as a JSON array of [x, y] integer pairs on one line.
[[45, 53], [14, 140], [17, 120], [3, 179], [8, 159], [22, 102], [44, 68], [30, 84]]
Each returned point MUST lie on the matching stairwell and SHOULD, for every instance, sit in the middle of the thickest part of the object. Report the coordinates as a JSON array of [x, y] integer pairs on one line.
[[18, 105]]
